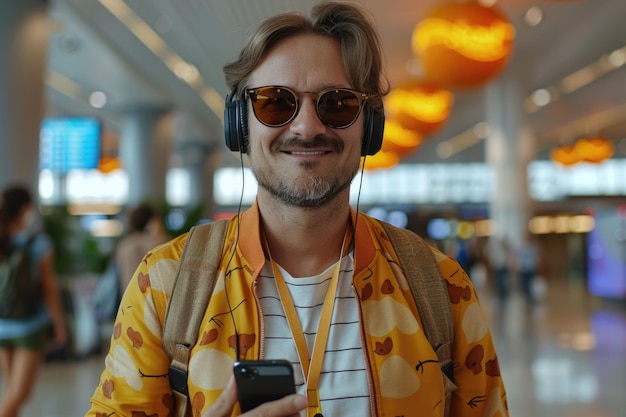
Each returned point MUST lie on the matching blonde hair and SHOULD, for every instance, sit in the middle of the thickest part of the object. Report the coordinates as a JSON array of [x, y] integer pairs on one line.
[[361, 47]]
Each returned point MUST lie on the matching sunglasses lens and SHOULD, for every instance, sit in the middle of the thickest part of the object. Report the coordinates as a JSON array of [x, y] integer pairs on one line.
[[338, 108], [273, 106]]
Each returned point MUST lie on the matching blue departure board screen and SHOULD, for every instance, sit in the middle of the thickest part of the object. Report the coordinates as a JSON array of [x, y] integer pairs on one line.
[[69, 143]]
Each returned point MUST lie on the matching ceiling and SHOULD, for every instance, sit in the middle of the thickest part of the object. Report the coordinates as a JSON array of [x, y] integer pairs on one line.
[[91, 49]]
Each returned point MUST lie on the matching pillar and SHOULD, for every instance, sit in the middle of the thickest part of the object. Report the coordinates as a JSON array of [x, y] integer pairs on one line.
[[509, 147], [23, 45], [200, 161], [144, 149]]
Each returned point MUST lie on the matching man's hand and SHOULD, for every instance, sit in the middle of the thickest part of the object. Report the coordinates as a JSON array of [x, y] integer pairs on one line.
[[290, 406]]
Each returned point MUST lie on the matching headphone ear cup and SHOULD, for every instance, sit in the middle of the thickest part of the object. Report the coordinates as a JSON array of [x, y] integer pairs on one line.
[[373, 129], [236, 125], [242, 111]]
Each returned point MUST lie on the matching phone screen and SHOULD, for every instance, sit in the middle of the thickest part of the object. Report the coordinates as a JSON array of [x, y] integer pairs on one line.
[[262, 381]]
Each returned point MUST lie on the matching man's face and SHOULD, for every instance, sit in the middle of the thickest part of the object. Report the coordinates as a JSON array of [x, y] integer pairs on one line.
[[304, 163]]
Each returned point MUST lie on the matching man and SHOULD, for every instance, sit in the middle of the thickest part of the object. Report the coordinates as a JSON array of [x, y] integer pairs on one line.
[[306, 105]]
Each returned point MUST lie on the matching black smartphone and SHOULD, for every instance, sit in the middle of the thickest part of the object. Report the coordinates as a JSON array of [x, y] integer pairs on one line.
[[262, 381]]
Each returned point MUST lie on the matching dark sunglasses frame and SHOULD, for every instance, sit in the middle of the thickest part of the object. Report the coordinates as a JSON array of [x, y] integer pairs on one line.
[[361, 97]]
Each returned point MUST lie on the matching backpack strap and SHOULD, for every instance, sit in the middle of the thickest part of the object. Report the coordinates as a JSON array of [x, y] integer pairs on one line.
[[193, 284], [431, 297], [24, 248]]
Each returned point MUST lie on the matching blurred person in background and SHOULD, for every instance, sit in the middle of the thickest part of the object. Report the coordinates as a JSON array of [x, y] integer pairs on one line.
[[146, 231], [23, 340], [528, 262], [502, 263]]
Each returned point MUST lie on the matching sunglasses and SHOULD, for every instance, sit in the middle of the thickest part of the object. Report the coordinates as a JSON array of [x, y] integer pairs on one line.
[[275, 106]]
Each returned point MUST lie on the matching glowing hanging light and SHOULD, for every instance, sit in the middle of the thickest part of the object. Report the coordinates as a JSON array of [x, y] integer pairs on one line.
[[565, 155], [594, 149], [463, 44], [109, 164], [398, 139], [381, 160], [419, 105]]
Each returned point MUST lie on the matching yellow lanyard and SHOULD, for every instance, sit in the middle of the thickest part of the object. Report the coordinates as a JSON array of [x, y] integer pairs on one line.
[[311, 367]]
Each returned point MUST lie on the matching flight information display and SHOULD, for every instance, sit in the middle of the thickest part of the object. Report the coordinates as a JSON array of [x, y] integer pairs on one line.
[[69, 143]]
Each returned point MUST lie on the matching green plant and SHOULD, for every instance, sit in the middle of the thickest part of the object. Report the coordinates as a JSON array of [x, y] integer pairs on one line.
[[76, 251]]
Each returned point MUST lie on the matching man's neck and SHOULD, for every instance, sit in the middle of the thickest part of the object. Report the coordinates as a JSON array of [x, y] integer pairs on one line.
[[304, 241]]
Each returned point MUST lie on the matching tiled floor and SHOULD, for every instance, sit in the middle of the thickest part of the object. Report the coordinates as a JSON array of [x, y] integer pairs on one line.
[[563, 358]]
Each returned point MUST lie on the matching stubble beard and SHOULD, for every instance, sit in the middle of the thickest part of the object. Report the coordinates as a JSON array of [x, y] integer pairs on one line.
[[306, 190], [310, 192]]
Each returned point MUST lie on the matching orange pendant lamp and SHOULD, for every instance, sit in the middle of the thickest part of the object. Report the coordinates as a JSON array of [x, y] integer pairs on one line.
[[398, 139], [595, 149], [109, 164], [463, 44], [419, 106], [565, 155], [381, 160]]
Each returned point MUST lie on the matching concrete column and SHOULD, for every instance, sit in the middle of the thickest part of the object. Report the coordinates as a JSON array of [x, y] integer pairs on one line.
[[200, 162], [23, 45], [510, 147], [145, 143]]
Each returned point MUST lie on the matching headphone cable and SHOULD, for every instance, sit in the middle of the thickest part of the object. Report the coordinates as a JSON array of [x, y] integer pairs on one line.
[[227, 272], [358, 202]]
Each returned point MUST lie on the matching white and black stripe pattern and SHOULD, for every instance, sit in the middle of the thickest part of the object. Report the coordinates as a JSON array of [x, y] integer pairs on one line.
[[343, 381]]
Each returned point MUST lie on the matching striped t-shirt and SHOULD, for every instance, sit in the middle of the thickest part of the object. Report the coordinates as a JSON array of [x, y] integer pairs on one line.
[[343, 381]]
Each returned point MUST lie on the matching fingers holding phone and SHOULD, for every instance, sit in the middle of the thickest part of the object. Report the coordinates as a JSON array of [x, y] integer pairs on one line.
[[289, 406], [262, 381]]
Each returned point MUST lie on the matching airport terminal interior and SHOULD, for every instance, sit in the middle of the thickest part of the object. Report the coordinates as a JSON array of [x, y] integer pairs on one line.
[[505, 126]]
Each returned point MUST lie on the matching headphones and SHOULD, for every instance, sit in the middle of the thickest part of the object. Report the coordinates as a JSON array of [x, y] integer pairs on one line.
[[236, 127]]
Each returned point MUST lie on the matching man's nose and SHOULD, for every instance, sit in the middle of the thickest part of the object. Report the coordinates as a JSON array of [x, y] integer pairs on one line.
[[307, 124]]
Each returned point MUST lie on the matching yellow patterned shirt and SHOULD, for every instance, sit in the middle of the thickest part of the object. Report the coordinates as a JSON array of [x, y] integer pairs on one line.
[[404, 376]]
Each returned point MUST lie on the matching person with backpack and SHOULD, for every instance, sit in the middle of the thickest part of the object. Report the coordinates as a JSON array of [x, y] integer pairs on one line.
[[301, 275], [30, 305]]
